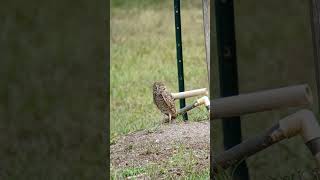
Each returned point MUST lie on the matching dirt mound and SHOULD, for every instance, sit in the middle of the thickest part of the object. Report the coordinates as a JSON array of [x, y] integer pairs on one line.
[[156, 146]]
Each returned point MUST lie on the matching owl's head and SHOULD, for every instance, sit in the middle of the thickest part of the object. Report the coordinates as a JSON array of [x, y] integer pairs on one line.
[[158, 86]]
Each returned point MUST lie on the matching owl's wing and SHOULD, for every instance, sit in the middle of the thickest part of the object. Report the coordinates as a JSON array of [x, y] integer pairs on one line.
[[154, 98], [169, 101]]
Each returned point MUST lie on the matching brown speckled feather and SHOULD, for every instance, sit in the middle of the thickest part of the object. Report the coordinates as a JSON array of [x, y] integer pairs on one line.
[[169, 100], [163, 99]]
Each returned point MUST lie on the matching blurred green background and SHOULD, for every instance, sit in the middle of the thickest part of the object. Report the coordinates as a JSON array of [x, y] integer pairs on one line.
[[274, 49], [53, 100]]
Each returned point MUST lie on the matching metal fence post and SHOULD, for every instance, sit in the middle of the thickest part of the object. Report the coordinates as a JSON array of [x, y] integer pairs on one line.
[[226, 43], [179, 53]]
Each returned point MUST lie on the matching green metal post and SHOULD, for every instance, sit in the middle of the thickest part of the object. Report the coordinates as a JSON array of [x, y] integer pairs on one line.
[[179, 53], [226, 44]]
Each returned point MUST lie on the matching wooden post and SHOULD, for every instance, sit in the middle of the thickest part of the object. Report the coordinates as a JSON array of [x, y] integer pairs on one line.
[[212, 87], [206, 25], [315, 27]]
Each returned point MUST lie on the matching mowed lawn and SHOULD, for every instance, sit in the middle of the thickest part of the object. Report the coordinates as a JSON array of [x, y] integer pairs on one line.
[[143, 51]]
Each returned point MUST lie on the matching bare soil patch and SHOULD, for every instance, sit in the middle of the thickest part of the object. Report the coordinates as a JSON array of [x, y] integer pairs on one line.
[[143, 147]]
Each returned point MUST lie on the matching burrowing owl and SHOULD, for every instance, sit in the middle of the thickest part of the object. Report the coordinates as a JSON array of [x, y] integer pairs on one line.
[[164, 100]]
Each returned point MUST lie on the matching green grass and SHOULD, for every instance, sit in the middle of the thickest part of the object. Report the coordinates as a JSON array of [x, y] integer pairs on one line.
[[142, 52], [182, 162]]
